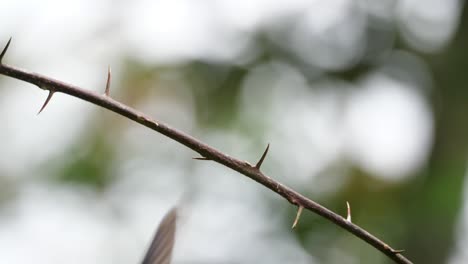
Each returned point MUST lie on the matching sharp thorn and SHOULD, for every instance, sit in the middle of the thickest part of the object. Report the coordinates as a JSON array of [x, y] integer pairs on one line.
[[201, 158], [398, 251], [259, 163], [51, 93], [5, 50], [298, 215], [106, 92], [348, 217]]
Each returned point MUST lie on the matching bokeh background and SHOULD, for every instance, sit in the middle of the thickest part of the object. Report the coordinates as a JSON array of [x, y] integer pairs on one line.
[[362, 101]]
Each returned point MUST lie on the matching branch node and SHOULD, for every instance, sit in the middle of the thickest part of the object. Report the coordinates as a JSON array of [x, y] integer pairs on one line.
[[259, 163], [4, 50], [51, 93], [106, 92], [348, 217], [298, 215]]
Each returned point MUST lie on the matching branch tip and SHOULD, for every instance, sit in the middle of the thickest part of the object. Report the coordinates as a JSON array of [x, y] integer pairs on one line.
[[262, 158], [106, 92], [298, 215], [348, 217], [51, 93], [5, 50]]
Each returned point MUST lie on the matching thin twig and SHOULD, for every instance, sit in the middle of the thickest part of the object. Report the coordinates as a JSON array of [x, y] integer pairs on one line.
[[204, 150]]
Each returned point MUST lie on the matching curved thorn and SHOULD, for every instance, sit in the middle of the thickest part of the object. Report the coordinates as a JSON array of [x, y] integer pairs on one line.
[[5, 50], [298, 215], [259, 163], [201, 158], [106, 92], [348, 217], [51, 93]]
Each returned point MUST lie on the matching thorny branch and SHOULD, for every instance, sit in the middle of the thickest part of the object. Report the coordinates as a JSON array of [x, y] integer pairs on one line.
[[207, 152]]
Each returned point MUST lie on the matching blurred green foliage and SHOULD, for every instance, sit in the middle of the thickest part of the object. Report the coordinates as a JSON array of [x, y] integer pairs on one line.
[[418, 215]]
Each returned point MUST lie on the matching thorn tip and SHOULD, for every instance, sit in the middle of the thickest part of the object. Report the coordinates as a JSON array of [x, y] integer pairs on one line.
[[298, 215], [348, 217], [262, 158], [51, 93], [5, 50], [106, 92], [201, 158]]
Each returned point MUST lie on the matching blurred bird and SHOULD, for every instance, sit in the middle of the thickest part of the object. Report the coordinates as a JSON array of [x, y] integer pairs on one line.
[[160, 250]]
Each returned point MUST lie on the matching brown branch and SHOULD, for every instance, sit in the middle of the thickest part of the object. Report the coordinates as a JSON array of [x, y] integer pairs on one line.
[[207, 152]]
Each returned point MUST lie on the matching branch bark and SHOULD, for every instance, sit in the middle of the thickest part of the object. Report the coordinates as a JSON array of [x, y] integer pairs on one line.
[[207, 152]]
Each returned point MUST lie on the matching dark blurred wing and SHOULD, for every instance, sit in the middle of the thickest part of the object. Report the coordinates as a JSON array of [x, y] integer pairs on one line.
[[160, 251]]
